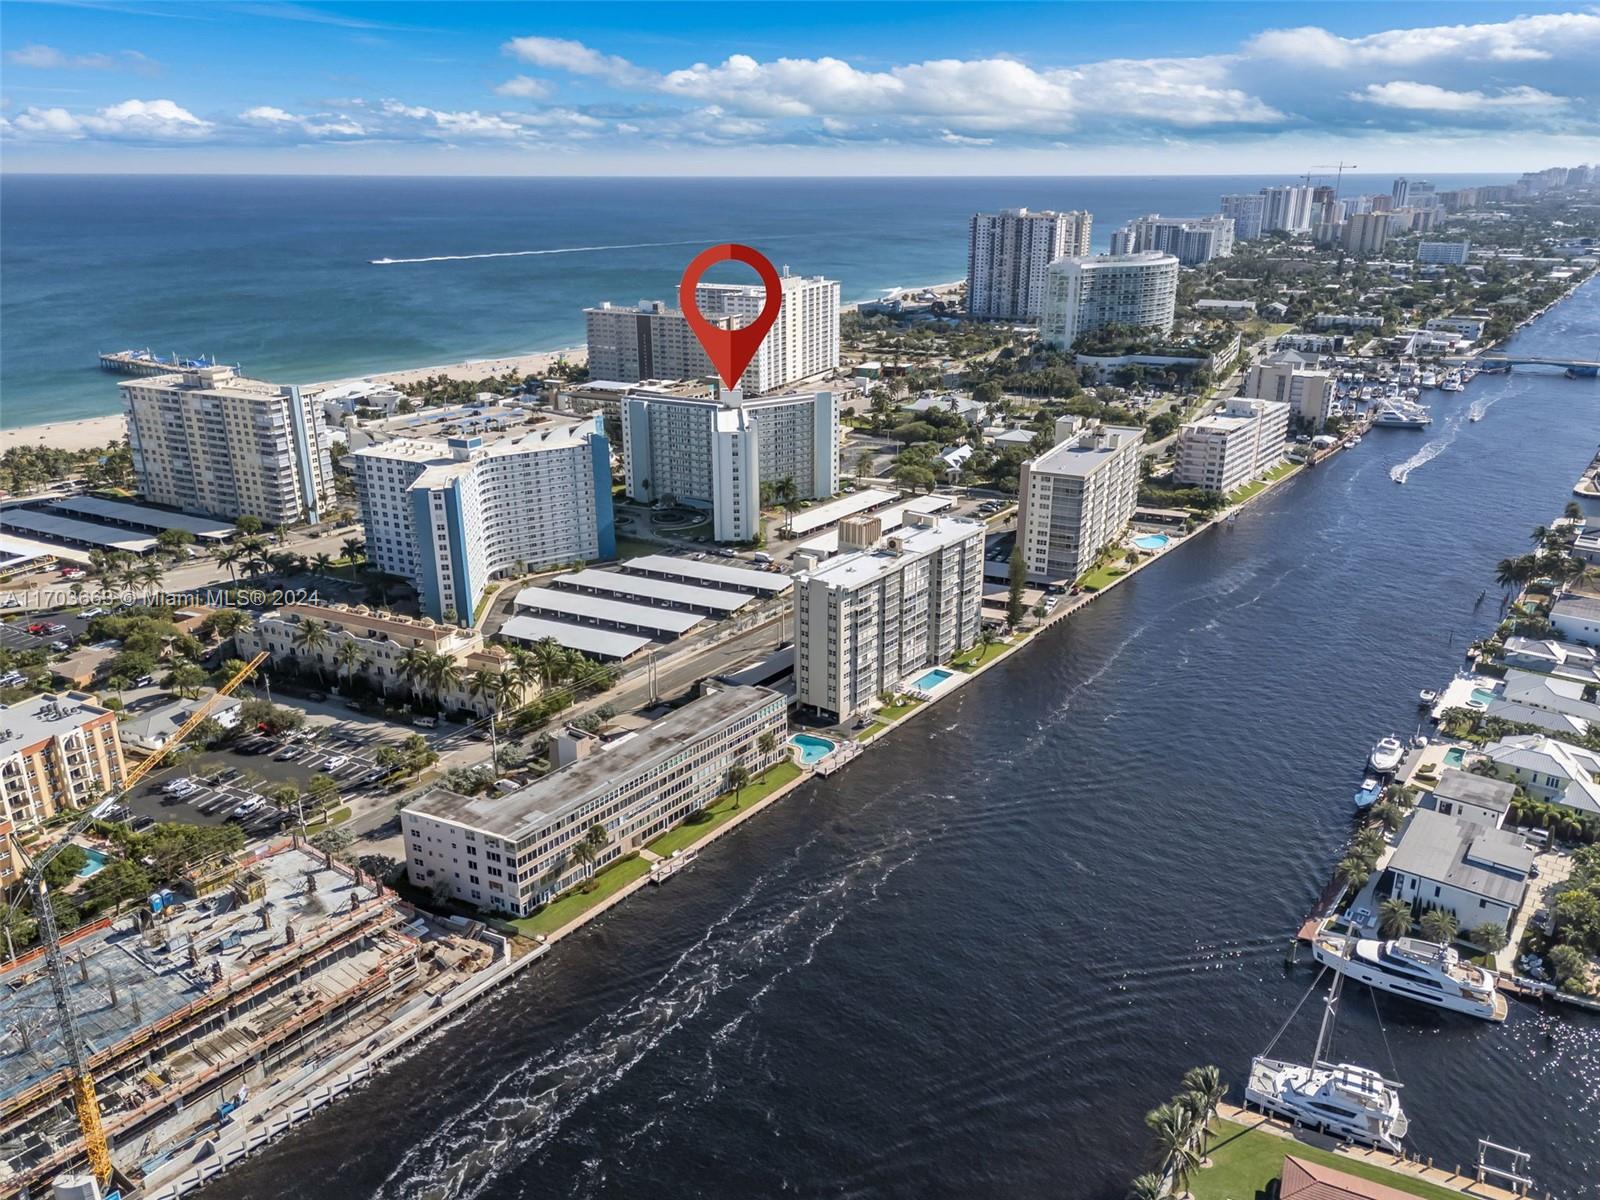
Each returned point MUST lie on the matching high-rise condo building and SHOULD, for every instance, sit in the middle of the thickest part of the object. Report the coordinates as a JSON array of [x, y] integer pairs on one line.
[[870, 619], [58, 753], [1009, 254], [511, 853], [452, 515], [1309, 394], [654, 341], [715, 452], [1366, 233], [1412, 193], [1287, 209], [1449, 253], [1085, 294], [1191, 240], [210, 441], [1227, 450], [1077, 497], [1247, 213]]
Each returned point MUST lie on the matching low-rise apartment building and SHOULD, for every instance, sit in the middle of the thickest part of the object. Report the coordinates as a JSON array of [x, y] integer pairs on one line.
[[511, 853], [388, 650], [1078, 497], [885, 607], [1226, 450], [58, 753]]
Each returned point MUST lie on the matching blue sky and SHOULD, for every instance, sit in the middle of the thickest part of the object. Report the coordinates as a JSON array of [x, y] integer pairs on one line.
[[767, 88]]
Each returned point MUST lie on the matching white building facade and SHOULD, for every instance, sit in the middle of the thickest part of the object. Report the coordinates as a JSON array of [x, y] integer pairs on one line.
[[1310, 395], [212, 442], [1453, 254], [1247, 214], [1077, 498], [1089, 293], [1287, 209], [868, 619], [1224, 451], [1191, 240], [715, 453], [451, 516], [1009, 254]]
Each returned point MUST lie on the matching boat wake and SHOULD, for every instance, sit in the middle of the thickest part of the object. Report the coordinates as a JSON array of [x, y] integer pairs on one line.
[[437, 258]]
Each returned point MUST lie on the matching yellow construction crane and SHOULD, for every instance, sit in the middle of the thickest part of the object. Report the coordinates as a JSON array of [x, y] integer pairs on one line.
[[84, 1101]]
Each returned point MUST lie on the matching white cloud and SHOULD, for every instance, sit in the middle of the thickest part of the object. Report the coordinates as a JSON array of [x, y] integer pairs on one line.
[[438, 123], [574, 58], [525, 86], [49, 58], [1523, 39], [333, 126], [132, 120], [1426, 96]]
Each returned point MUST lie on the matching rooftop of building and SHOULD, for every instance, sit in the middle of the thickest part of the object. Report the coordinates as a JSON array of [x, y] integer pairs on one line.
[[1486, 862], [1140, 258], [48, 715], [525, 811], [122, 980], [1085, 452], [367, 622], [219, 380], [1587, 607], [1480, 790], [437, 450], [863, 566]]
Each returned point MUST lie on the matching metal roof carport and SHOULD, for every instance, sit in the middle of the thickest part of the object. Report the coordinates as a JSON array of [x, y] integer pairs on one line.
[[608, 614], [78, 533], [709, 574], [709, 602], [586, 639]]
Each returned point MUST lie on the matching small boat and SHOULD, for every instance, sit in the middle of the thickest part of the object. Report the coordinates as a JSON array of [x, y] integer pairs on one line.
[[1475, 415], [1371, 790], [1426, 697], [1386, 755], [1427, 972]]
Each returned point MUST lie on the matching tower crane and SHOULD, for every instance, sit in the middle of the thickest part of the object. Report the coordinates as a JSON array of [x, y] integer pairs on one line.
[[1338, 179], [85, 1103]]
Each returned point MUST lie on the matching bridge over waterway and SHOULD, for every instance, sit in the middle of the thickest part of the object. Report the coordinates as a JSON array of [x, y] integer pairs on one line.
[[1573, 366]]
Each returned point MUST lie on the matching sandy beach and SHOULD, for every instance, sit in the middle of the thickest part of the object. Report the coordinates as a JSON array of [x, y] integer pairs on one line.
[[87, 434], [475, 368]]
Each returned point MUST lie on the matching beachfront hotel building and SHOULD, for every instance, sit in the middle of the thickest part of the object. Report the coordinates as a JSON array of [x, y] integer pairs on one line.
[[653, 340], [452, 515], [715, 452], [58, 753], [1226, 450], [1008, 258], [885, 608], [1191, 240], [511, 853], [210, 441], [386, 641], [1078, 497], [1247, 213], [1139, 291]]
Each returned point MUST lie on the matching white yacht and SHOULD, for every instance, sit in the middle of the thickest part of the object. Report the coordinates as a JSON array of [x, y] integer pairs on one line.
[[1429, 379], [1426, 697], [1452, 383], [1386, 755], [1342, 1099], [1426, 972], [1402, 414]]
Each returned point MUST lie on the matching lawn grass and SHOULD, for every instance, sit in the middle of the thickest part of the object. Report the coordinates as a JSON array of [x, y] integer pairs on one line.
[[971, 660], [633, 548], [870, 730], [606, 883], [1272, 476], [890, 713], [723, 809], [1244, 1162], [1102, 575]]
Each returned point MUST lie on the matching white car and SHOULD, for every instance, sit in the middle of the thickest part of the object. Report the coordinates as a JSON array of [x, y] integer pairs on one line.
[[181, 786], [249, 806], [337, 761]]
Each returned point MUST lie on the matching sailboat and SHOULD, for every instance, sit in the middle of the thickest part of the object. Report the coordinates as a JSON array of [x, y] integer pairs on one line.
[[1348, 1101]]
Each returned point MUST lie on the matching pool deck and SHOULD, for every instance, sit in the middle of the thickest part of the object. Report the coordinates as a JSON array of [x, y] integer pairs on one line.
[[1458, 691]]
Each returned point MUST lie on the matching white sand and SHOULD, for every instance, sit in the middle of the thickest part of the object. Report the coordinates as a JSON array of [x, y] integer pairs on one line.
[[87, 434], [477, 368]]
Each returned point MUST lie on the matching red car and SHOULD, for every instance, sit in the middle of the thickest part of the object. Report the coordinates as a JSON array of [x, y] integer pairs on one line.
[[38, 627]]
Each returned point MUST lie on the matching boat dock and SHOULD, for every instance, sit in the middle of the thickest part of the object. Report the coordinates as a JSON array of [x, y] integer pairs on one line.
[[143, 362], [1588, 485]]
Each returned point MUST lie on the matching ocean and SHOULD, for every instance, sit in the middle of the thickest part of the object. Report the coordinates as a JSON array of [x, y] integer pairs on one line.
[[967, 964], [276, 274]]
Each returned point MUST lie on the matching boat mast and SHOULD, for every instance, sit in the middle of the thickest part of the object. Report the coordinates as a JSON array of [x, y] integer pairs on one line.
[[1330, 1010]]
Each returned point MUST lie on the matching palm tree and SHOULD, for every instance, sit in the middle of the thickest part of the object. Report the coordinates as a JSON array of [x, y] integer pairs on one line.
[[322, 564], [1148, 1186], [738, 776], [1353, 871], [767, 743], [313, 636], [413, 665], [350, 658], [1206, 1083], [551, 660], [442, 676], [1540, 535], [230, 557], [354, 549], [1439, 926], [1394, 917], [1173, 1126]]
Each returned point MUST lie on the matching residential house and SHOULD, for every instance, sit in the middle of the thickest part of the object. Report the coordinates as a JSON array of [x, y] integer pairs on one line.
[[1478, 873], [1476, 798], [1548, 769], [152, 729], [1577, 619]]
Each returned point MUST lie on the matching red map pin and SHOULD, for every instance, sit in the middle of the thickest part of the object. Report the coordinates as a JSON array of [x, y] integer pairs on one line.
[[730, 350]]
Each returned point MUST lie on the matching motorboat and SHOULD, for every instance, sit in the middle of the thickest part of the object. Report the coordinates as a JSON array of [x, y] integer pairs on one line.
[[1429, 379], [1427, 972], [1386, 755], [1402, 414], [1371, 790], [1426, 697], [1351, 1102], [1452, 383]]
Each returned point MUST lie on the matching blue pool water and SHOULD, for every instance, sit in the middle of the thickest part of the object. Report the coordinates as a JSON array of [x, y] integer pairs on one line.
[[813, 749], [1483, 696], [932, 679], [1151, 541], [1454, 756], [96, 861]]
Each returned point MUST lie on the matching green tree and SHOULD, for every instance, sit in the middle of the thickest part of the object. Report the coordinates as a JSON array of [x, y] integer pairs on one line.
[[334, 842], [1353, 871], [1174, 1130], [1569, 967], [1207, 1084], [1490, 936], [1394, 917], [1439, 926], [767, 743], [738, 777], [1015, 605], [1148, 1186], [114, 884]]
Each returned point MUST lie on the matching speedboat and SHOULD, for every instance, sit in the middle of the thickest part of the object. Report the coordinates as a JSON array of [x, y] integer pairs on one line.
[[1429, 379], [1386, 755], [1426, 697], [1427, 972], [1402, 414], [1371, 789], [1350, 1102], [1452, 383]]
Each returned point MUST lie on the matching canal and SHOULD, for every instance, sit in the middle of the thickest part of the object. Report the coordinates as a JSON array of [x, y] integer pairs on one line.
[[966, 965]]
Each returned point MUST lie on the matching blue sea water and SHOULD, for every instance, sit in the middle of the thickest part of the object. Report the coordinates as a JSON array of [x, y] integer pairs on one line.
[[275, 273]]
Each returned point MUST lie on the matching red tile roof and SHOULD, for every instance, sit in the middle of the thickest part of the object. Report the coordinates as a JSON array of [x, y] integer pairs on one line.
[[1305, 1180]]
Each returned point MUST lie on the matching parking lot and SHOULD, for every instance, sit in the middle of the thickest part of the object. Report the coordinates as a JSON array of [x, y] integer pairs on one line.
[[231, 783], [14, 635]]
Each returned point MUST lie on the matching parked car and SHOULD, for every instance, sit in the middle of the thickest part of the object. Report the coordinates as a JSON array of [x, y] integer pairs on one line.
[[337, 761], [92, 612], [425, 722]]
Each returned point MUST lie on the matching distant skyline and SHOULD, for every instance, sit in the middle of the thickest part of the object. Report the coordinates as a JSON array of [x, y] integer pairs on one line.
[[772, 89]]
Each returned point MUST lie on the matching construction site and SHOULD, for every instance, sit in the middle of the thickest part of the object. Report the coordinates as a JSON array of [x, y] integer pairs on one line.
[[212, 1016]]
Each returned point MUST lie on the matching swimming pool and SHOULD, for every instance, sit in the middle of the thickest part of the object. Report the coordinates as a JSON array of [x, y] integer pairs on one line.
[[1484, 696], [1151, 541], [932, 679], [1453, 757], [96, 861], [813, 749]]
